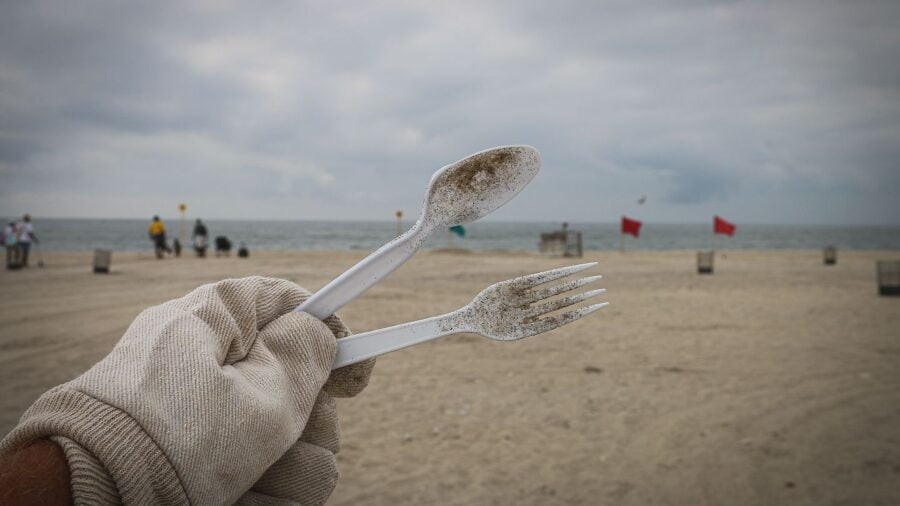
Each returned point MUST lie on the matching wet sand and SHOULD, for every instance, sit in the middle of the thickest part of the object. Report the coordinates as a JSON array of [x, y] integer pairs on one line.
[[775, 380]]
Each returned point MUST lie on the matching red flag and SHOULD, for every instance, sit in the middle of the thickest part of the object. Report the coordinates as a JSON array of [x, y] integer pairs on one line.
[[630, 226], [721, 226]]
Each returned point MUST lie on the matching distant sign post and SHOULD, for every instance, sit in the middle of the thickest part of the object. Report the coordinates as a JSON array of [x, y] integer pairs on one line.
[[182, 208]]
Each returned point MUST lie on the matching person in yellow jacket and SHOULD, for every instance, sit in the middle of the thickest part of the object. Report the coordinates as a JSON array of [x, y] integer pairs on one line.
[[157, 233]]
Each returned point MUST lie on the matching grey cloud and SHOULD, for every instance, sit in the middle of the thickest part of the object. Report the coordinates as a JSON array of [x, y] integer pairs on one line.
[[695, 187], [305, 109]]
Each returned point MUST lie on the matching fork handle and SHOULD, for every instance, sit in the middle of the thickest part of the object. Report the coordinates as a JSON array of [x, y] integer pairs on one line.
[[359, 347]]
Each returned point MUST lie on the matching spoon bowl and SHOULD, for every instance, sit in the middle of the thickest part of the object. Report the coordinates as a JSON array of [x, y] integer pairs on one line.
[[459, 193], [477, 185]]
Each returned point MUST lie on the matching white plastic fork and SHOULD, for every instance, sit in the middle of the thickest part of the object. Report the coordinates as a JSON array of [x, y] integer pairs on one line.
[[504, 311]]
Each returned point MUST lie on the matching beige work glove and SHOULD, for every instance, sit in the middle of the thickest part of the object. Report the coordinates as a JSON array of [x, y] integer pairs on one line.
[[224, 395]]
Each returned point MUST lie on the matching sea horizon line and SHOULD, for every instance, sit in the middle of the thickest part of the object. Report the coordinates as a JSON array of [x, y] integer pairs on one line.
[[645, 221]]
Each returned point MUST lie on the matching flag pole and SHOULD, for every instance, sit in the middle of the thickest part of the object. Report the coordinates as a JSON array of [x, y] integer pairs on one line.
[[622, 242]]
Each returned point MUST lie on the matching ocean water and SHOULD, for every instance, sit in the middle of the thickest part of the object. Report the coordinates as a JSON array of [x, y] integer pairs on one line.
[[131, 235]]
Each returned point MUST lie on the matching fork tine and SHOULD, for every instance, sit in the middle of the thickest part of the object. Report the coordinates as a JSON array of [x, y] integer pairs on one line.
[[550, 291], [553, 305], [547, 276], [553, 322]]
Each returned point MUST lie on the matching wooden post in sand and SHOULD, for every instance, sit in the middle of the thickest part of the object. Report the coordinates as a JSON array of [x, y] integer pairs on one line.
[[399, 215]]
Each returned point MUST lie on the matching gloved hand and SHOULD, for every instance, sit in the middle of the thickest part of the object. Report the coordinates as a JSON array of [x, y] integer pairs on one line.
[[220, 396]]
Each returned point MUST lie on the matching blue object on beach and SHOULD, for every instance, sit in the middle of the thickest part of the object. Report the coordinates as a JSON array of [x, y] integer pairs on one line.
[[458, 230]]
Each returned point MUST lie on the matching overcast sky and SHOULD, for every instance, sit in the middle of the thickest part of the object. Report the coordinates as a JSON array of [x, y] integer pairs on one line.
[[763, 112]]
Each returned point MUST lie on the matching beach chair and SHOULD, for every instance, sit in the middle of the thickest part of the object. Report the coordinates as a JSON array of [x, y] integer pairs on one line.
[[552, 244], [102, 259], [566, 243], [574, 246]]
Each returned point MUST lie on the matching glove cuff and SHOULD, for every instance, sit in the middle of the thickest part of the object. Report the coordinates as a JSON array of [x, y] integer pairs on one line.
[[112, 448], [90, 481]]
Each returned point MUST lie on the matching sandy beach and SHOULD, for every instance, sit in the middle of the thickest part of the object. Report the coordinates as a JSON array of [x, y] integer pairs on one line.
[[775, 380]]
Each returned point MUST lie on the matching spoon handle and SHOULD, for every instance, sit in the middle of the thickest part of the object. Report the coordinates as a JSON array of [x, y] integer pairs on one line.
[[365, 274]]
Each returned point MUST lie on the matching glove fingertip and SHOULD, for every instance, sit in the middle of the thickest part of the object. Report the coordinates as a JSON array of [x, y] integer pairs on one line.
[[297, 336], [349, 380]]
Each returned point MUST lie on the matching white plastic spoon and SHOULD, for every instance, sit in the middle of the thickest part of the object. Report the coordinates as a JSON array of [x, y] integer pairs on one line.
[[459, 193]]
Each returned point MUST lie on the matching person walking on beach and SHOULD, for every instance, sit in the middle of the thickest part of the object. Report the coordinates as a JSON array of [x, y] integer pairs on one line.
[[11, 243], [26, 236], [200, 238], [158, 236]]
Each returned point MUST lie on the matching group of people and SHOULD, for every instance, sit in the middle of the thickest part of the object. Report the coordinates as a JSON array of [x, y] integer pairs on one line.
[[17, 239], [199, 239], [157, 232]]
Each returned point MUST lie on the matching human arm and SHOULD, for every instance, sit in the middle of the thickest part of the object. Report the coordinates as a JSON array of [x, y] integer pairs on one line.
[[215, 397], [35, 474]]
